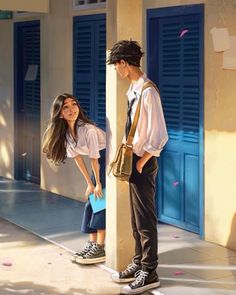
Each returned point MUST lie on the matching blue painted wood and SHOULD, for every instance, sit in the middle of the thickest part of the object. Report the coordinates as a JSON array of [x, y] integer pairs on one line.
[[89, 54], [27, 101], [176, 64]]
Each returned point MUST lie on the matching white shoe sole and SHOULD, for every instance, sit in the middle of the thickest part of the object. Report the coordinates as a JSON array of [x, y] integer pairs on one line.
[[82, 260], [118, 280], [128, 290], [73, 258]]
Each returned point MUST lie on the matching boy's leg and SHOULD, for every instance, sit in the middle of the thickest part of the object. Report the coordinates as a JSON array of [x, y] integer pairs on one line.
[[143, 213], [138, 247], [142, 190], [146, 223]]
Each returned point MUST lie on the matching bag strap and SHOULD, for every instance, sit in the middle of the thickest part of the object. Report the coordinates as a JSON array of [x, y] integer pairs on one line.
[[137, 112]]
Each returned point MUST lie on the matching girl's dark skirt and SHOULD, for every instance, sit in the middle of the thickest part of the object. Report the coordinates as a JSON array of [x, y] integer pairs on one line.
[[94, 221]]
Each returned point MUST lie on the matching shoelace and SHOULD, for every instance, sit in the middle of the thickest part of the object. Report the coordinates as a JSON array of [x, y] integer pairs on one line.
[[131, 267], [87, 247], [92, 251], [140, 276]]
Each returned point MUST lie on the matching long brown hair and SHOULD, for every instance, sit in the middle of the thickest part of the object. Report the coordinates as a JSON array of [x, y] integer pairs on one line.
[[54, 138]]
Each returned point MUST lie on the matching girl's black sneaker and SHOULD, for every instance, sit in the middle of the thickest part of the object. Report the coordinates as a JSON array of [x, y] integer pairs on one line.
[[95, 255]]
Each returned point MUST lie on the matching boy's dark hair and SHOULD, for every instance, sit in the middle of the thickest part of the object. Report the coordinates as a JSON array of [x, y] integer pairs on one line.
[[129, 51]]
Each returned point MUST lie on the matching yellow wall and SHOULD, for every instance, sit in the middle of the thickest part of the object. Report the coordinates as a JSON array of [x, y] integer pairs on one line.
[[25, 5], [220, 125], [56, 78], [6, 99]]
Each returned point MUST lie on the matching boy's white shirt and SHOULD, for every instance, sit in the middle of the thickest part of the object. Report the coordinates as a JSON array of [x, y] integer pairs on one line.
[[151, 132]]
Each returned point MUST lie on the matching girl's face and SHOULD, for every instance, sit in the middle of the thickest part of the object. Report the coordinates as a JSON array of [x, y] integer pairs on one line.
[[69, 110]]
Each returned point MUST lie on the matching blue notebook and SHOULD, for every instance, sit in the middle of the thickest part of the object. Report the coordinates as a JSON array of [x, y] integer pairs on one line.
[[98, 204]]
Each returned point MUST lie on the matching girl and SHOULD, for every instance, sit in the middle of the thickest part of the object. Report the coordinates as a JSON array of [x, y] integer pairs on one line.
[[71, 134]]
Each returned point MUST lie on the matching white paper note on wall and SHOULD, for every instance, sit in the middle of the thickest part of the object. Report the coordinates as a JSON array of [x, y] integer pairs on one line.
[[220, 38], [31, 73], [229, 56]]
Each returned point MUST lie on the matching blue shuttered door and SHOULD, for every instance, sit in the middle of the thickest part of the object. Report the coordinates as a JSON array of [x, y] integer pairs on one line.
[[27, 100], [89, 65], [176, 65]]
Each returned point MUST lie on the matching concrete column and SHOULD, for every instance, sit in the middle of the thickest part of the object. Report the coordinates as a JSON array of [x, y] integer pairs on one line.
[[124, 21], [7, 100]]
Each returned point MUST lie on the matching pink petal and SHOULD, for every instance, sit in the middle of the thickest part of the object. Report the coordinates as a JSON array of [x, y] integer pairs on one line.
[[175, 183], [7, 264], [178, 273], [183, 32]]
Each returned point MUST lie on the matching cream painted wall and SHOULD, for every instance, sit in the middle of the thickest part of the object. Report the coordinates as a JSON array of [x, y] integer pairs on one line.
[[56, 78], [220, 124], [6, 98], [25, 5]]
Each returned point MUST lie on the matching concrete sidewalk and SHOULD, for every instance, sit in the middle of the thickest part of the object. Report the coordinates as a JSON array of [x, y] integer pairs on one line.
[[39, 263], [30, 265]]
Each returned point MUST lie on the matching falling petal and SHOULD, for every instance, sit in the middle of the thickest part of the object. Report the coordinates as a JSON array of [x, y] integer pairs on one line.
[[183, 32], [176, 237], [24, 154], [7, 264], [175, 183], [178, 273]]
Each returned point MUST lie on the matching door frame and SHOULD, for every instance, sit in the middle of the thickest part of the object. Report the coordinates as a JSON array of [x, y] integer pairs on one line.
[[178, 11], [18, 100]]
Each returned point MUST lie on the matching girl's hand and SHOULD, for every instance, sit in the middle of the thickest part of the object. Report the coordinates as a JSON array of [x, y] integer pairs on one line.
[[98, 190], [89, 190]]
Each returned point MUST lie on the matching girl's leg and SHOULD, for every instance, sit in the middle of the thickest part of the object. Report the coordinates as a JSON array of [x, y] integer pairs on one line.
[[93, 237], [101, 233]]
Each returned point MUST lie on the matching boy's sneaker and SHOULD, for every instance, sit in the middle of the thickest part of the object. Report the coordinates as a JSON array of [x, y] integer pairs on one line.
[[88, 246], [144, 281], [127, 275], [95, 255]]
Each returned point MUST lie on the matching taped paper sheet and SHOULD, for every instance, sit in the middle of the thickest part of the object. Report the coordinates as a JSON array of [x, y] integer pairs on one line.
[[221, 40], [229, 56], [31, 73]]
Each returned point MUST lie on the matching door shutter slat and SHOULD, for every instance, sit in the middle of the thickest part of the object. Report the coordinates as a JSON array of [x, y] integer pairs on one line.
[[89, 66]]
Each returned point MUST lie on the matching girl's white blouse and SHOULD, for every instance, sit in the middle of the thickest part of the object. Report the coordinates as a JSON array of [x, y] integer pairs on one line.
[[91, 140]]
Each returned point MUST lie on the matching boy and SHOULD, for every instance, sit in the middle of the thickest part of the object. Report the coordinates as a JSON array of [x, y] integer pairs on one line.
[[150, 137]]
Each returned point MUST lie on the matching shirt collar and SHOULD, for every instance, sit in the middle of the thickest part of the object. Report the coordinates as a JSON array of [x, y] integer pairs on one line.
[[135, 88]]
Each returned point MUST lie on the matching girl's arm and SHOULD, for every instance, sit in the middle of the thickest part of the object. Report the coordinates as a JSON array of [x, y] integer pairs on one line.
[[98, 187], [82, 167]]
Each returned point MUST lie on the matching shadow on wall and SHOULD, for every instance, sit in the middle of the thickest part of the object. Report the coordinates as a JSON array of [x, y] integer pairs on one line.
[[231, 243]]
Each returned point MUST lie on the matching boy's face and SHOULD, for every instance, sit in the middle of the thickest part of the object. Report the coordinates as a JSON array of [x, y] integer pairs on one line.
[[122, 68]]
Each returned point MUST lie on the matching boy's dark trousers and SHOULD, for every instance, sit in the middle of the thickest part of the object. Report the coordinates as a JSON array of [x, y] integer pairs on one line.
[[143, 213]]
